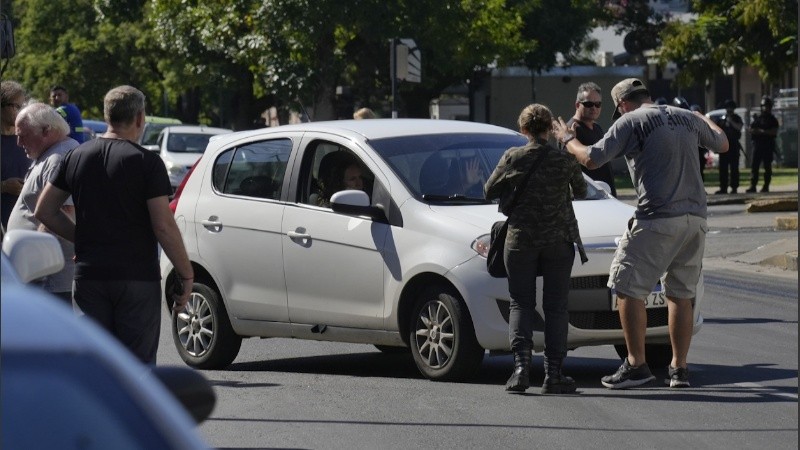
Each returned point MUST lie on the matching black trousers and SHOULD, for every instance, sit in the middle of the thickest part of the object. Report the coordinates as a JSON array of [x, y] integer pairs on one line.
[[761, 156], [129, 310], [729, 164]]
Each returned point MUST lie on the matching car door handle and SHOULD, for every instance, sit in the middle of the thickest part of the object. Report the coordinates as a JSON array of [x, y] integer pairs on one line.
[[296, 235], [212, 224]]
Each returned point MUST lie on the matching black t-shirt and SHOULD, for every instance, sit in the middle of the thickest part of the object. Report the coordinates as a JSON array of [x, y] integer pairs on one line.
[[763, 142], [111, 181], [588, 136]]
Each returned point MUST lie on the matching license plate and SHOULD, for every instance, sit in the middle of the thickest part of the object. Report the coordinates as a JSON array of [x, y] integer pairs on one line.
[[656, 299]]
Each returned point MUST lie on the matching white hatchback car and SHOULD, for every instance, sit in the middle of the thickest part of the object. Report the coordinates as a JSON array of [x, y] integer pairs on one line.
[[399, 264], [180, 146]]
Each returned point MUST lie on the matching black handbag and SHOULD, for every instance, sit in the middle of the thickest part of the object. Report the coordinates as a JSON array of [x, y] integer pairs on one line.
[[497, 237]]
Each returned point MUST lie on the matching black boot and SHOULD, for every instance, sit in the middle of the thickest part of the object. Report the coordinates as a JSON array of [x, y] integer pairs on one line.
[[520, 379], [554, 381]]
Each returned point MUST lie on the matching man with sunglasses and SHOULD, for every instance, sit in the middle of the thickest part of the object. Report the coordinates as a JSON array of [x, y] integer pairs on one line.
[[667, 237], [587, 131]]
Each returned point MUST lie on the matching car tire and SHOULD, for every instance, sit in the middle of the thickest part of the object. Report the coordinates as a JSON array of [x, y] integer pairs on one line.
[[392, 350], [442, 338], [656, 355], [202, 332]]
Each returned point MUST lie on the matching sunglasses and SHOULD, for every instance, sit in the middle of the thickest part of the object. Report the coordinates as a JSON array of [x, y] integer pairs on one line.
[[590, 104]]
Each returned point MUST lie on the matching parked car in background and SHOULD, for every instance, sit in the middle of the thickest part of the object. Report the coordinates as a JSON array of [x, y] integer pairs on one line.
[[93, 128], [153, 125], [399, 264], [67, 383], [181, 146]]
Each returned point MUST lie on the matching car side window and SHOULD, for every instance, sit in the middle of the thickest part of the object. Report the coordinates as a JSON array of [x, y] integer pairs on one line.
[[253, 170]]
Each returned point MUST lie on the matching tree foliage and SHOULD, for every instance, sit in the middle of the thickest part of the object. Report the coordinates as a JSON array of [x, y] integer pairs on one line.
[[760, 33], [225, 61], [88, 46]]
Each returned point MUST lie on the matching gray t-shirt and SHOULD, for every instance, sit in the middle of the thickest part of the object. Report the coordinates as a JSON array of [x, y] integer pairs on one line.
[[22, 215], [660, 143]]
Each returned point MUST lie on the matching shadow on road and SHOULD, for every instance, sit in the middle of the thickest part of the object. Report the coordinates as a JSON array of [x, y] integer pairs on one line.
[[710, 382]]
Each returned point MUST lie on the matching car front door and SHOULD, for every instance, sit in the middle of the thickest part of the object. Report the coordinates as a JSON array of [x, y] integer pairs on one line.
[[333, 263]]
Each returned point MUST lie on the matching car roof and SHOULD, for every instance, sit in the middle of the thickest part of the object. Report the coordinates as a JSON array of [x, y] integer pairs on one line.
[[197, 129], [383, 128]]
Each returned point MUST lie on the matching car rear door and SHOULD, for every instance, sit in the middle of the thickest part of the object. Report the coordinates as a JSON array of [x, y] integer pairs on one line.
[[238, 224]]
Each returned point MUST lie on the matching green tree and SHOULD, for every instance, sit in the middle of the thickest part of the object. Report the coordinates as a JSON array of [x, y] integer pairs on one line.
[[89, 46], [726, 33]]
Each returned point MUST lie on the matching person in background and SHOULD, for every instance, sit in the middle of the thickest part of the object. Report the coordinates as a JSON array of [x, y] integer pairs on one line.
[[59, 99], [121, 194], [763, 130], [667, 236], [732, 124], [13, 162], [364, 113], [542, 236], [587, 131], [44, 135]]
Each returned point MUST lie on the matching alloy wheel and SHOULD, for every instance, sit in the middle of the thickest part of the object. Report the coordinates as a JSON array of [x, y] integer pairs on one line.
[[435, 337], [195, 325]]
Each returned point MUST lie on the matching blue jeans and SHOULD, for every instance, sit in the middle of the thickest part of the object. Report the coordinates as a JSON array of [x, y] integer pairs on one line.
[[554, 264]]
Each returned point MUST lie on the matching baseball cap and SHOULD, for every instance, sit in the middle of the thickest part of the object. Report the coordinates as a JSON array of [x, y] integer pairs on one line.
[[623, 90]]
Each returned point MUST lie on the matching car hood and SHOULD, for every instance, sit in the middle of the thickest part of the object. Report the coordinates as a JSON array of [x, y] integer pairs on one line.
[[596, 218]]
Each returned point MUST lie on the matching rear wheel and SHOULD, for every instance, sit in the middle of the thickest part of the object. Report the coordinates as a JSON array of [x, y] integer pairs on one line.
[[656, 355], [202, 332], [442, 337]]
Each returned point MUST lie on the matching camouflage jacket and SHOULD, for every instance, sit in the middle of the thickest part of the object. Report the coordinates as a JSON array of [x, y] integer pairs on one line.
[[543, 214]]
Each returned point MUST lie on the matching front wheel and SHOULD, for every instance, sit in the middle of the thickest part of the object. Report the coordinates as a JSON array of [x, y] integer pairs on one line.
[[656, 355], [202, 332], [442, 337]]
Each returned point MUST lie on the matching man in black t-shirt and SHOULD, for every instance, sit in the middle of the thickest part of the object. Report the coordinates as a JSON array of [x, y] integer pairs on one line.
[[764, 129], [120, 191], [588, 131]]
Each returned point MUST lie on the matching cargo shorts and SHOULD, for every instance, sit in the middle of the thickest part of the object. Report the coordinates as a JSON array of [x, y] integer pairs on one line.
[[654, 249]]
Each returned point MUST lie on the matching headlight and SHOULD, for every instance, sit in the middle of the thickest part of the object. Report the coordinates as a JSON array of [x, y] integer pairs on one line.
[[481, 245], [174, 168]]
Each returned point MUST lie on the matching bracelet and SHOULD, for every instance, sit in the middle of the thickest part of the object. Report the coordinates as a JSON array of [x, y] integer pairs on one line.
[[567, 138]]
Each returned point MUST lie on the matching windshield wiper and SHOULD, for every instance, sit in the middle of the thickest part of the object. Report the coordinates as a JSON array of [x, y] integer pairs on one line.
[[460, 198]]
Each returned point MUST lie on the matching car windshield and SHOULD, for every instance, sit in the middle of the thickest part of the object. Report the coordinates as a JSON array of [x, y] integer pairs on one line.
[[450, 168], [151, 132], [187, 142]]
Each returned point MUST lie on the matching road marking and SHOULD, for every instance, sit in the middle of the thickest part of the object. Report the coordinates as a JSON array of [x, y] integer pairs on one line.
[[758, 387]]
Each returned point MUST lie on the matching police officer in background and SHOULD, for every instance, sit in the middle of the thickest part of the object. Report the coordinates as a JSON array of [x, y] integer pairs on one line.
[[731, 123], [764, 130]]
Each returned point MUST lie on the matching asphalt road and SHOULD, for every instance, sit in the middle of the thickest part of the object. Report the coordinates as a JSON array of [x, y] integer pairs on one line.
[[283, 393]]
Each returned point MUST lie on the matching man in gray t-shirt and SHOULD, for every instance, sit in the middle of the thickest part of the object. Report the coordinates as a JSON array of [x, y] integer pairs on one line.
[[45, 137], [667, 237]]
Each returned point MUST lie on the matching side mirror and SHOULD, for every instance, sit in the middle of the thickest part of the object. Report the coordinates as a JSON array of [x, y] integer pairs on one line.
[[33, 254], [152, 148], [356, 203], [190, 388], [603, 185]]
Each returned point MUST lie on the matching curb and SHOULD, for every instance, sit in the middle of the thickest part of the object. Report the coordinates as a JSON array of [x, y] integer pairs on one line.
[[773, 254]]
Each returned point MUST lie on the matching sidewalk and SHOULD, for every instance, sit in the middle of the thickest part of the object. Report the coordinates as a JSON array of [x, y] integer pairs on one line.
[[782, 202]]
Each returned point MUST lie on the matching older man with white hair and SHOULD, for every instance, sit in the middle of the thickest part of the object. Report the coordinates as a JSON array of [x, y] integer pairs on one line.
[[44, 135]]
